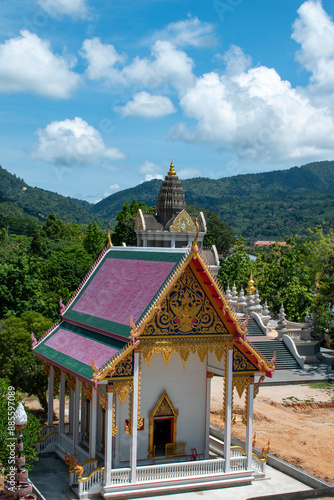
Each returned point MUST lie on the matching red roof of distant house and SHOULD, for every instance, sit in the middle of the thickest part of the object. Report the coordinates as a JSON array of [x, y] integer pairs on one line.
[[258, 244]]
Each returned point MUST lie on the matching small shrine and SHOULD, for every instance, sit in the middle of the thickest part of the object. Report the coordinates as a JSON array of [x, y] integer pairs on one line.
[[172, 226], [135, 351]]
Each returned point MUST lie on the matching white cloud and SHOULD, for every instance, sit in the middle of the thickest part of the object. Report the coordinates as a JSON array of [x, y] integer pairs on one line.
[[146, 105], [73, 8], [314, 31], [72, 142], [27, 64], [190, 32], [167, 65], [101, 58], [257, 115], [151, 171]]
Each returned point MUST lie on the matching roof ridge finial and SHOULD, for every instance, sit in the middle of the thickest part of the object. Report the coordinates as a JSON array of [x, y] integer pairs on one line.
[[171, 169], [109, 244]]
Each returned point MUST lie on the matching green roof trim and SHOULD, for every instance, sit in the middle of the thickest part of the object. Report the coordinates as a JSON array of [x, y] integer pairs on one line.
[[66, 361], [140, 255], [99, 323]]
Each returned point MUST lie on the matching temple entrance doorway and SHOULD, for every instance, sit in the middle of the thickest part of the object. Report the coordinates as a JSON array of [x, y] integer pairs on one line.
[[162, 434]]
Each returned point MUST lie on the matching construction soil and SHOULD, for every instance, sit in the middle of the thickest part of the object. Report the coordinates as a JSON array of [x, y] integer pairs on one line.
[[298, 420]]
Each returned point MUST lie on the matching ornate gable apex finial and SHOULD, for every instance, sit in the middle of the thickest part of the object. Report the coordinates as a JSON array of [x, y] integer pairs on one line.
[[109, 244], [171, 169]]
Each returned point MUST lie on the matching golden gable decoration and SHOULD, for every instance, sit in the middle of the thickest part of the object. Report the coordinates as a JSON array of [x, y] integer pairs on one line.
[[183, 222], [241, 363], [138, 222], [186, 310]]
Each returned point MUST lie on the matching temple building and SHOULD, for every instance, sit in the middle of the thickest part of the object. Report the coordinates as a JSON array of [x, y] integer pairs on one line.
[[172, 226], [135, 351]]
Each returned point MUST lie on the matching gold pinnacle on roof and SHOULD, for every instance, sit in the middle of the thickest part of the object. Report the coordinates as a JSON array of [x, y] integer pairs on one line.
[[251, 288], [171, 169], [109, 244]]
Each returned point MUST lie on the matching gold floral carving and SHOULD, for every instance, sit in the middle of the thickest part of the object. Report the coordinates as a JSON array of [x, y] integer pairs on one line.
[[183, 222], [223, 411], [186, 310], [87, 391], [183, 346], [124, 367], [122, 391], [241, 383], [140, 421], [103, 398], [164, 407], [245, 415], [71, 382], [241, 363], [257, 386], [57, 373], [209, 375]]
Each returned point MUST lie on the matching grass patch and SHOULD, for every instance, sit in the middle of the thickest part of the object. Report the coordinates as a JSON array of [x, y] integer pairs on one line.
[[291, 399], [320, 385]]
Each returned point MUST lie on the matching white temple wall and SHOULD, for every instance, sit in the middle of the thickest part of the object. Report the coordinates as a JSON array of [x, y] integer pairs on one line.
[[123, 440], [186, 387]]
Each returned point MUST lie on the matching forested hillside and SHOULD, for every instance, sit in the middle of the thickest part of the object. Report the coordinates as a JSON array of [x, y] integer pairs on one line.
[[19, 200], [268, 205]]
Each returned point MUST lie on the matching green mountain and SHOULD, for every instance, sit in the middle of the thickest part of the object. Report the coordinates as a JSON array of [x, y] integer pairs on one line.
[[20, 202], [266, 205]]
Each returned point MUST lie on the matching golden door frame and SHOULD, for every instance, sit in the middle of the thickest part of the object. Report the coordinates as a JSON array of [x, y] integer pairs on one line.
[[163, 408]]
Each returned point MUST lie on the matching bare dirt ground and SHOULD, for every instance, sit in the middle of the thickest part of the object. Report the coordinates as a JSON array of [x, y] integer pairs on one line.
[[298, 420]]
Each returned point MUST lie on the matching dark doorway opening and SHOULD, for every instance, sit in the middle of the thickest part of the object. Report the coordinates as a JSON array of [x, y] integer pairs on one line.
[[162, 434]]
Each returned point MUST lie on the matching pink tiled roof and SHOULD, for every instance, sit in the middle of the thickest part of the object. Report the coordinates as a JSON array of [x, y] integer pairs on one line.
[[80, 348], [122, 288]]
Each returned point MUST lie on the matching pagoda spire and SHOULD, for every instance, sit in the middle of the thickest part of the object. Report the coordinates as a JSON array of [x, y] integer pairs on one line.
[[171, 199], [171, 169]]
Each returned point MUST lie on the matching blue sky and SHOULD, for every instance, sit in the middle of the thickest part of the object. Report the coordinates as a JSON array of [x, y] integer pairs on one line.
[[98, 96]]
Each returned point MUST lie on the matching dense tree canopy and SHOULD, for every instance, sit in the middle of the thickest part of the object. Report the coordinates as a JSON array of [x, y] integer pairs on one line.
[[17, 361], [124, 231], [10, 398]]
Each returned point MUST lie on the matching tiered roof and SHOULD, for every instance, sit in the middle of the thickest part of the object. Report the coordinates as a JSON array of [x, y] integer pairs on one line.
[[123, 292]]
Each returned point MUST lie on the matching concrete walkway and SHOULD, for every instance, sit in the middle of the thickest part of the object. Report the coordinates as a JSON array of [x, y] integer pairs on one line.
[[50, 476]]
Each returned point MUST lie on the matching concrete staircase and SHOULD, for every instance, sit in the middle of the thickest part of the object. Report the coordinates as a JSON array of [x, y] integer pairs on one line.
[[284, 358], [253, 329]]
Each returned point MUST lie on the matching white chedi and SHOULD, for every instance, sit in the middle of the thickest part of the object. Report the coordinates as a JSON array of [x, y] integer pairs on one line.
[[20, 416]]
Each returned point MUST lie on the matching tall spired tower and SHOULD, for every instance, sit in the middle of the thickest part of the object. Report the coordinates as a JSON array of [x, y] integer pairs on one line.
[[172, 226], [171, 199]]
